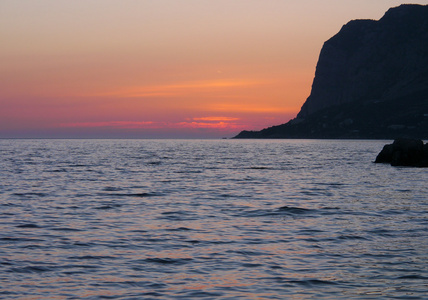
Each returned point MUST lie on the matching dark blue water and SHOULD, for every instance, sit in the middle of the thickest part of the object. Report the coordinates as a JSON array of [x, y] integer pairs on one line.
[[226, 219]]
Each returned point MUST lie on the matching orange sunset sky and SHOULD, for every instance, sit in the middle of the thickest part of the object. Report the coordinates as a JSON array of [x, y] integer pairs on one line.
[[162, 68]]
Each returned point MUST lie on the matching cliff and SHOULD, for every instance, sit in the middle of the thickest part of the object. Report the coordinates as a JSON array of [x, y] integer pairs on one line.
[[371, 81]]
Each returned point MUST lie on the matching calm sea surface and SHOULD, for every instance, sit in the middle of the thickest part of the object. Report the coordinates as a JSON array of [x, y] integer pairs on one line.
[[214, 219]]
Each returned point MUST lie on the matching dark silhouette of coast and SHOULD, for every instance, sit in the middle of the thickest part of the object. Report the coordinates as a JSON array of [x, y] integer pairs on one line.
[[371, 82]]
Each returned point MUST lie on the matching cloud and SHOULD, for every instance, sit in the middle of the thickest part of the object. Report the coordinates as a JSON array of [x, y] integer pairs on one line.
[[216, 122], [215, 119], [223, 123], [115, 124], [249, 108], [173, 90]]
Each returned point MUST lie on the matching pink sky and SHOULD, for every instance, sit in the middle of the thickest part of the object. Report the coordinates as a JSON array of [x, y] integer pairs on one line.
[[164, 68]]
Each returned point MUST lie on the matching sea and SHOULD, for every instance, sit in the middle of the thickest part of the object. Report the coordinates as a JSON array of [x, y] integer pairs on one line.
[[210, 219]]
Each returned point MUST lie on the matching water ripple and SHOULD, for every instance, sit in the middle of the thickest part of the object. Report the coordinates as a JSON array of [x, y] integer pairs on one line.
[[175, 219]]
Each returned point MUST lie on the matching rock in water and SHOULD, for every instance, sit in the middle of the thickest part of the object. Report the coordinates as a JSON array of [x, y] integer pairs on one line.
[[404, 152]]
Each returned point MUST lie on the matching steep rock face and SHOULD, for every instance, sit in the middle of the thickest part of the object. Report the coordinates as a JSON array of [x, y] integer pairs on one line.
[[372, 60], [371, 81]]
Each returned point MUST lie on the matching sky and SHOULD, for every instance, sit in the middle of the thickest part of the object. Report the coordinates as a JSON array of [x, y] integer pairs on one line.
[[162, 68]]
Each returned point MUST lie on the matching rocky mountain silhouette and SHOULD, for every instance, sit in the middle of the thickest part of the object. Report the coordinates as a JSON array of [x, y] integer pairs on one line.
[[371, 81]]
